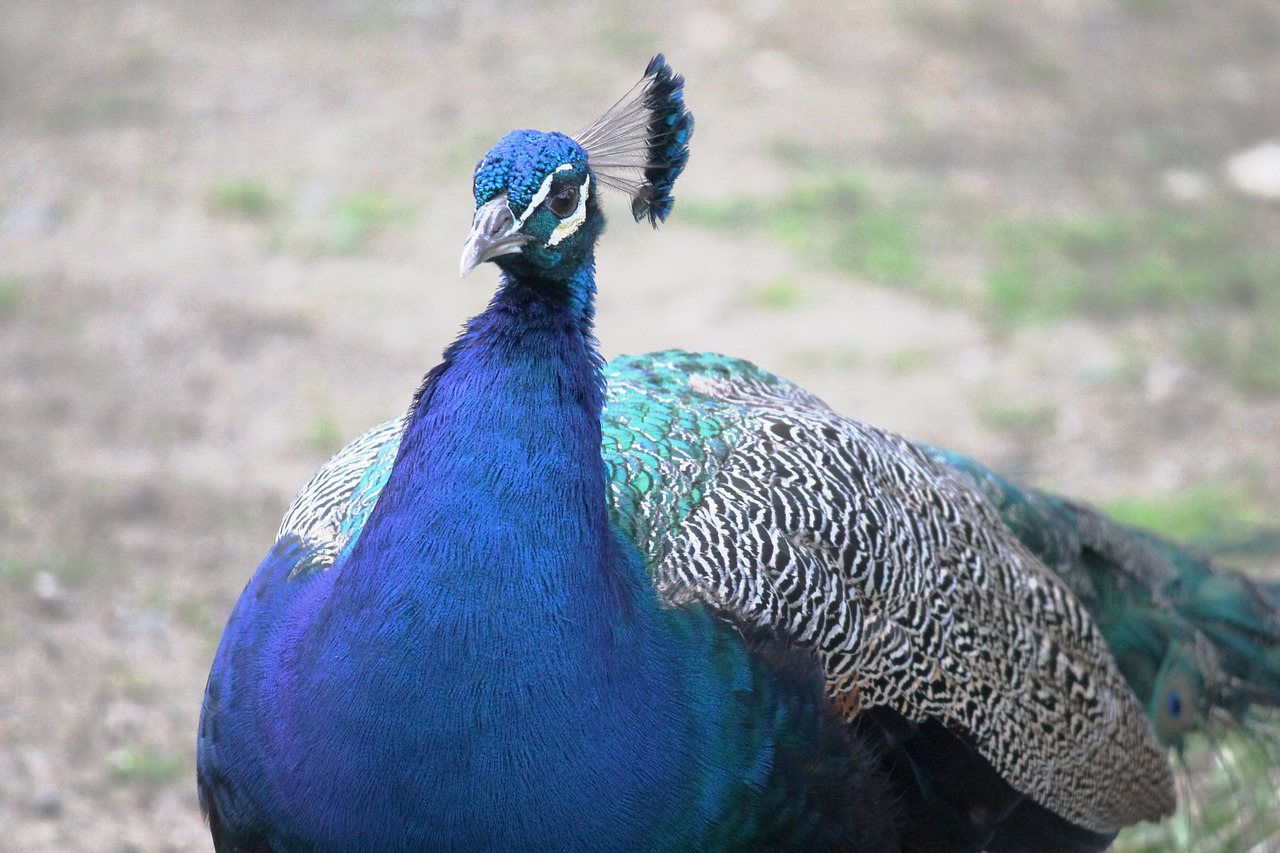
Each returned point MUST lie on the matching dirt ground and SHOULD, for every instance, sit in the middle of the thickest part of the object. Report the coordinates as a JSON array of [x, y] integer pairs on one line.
[[229, 236]]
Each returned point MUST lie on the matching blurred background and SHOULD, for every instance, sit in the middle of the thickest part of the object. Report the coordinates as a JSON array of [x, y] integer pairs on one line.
[[1047, 234]]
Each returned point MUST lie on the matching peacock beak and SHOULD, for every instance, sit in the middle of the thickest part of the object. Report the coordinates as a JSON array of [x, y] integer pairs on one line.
[[494, 232]]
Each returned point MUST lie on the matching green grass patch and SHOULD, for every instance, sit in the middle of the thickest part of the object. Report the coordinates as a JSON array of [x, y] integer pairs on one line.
[[1018, 419], [241, 198], [736, 214], [835, 218], [147, 765], [788, 151], [56, 572], [69, 569], [323, 435], [1111, 262], [1244, 348], [200, 616], [1215, 267], [18, 572], [13, 292], [354, 221], [781, 294], [1207, 266], [73, 569], [1203, 513], [841, 220], [906, 362]]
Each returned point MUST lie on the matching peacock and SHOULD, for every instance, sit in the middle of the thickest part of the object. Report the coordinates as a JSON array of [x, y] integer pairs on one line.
[[676, 603]]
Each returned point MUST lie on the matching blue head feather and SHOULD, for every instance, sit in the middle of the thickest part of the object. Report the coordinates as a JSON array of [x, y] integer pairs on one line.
[[537, 216], [519, 164]]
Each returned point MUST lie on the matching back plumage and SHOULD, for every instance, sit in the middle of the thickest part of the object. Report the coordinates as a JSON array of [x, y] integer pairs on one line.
[[675, 602]]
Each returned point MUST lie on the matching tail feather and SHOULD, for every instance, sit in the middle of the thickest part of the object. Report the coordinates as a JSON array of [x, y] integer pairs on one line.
[[1199, 645], [1193, 640], [1239, 618]]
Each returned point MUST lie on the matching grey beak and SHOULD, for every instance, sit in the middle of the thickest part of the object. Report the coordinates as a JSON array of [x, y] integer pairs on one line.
[[494, 232]]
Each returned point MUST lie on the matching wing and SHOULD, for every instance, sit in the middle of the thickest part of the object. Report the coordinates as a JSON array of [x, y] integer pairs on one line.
[[750, 494], [333, 506]]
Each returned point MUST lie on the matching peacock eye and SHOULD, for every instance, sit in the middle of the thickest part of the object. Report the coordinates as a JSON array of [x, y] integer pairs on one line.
[[564, 202]]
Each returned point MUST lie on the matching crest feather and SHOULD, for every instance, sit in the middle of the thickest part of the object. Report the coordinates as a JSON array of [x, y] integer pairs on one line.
[[641, 144]]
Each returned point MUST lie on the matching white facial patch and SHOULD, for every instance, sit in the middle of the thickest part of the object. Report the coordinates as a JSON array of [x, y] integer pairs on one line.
[[541, 195], [569, 224], [573, 221]]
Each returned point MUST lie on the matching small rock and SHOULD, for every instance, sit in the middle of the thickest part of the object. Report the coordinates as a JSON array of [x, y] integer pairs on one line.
[[51, 595], [1257, 171]]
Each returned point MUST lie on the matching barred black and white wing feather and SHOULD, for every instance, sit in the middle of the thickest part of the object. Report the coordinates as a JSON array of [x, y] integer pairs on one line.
[[334, 504], [905, 580]]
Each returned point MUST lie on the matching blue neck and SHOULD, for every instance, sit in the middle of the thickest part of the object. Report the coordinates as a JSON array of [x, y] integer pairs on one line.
[[506, 650], [498, 492]]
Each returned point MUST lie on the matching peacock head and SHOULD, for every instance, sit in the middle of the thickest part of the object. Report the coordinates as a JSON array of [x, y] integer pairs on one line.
[[537, 207]]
